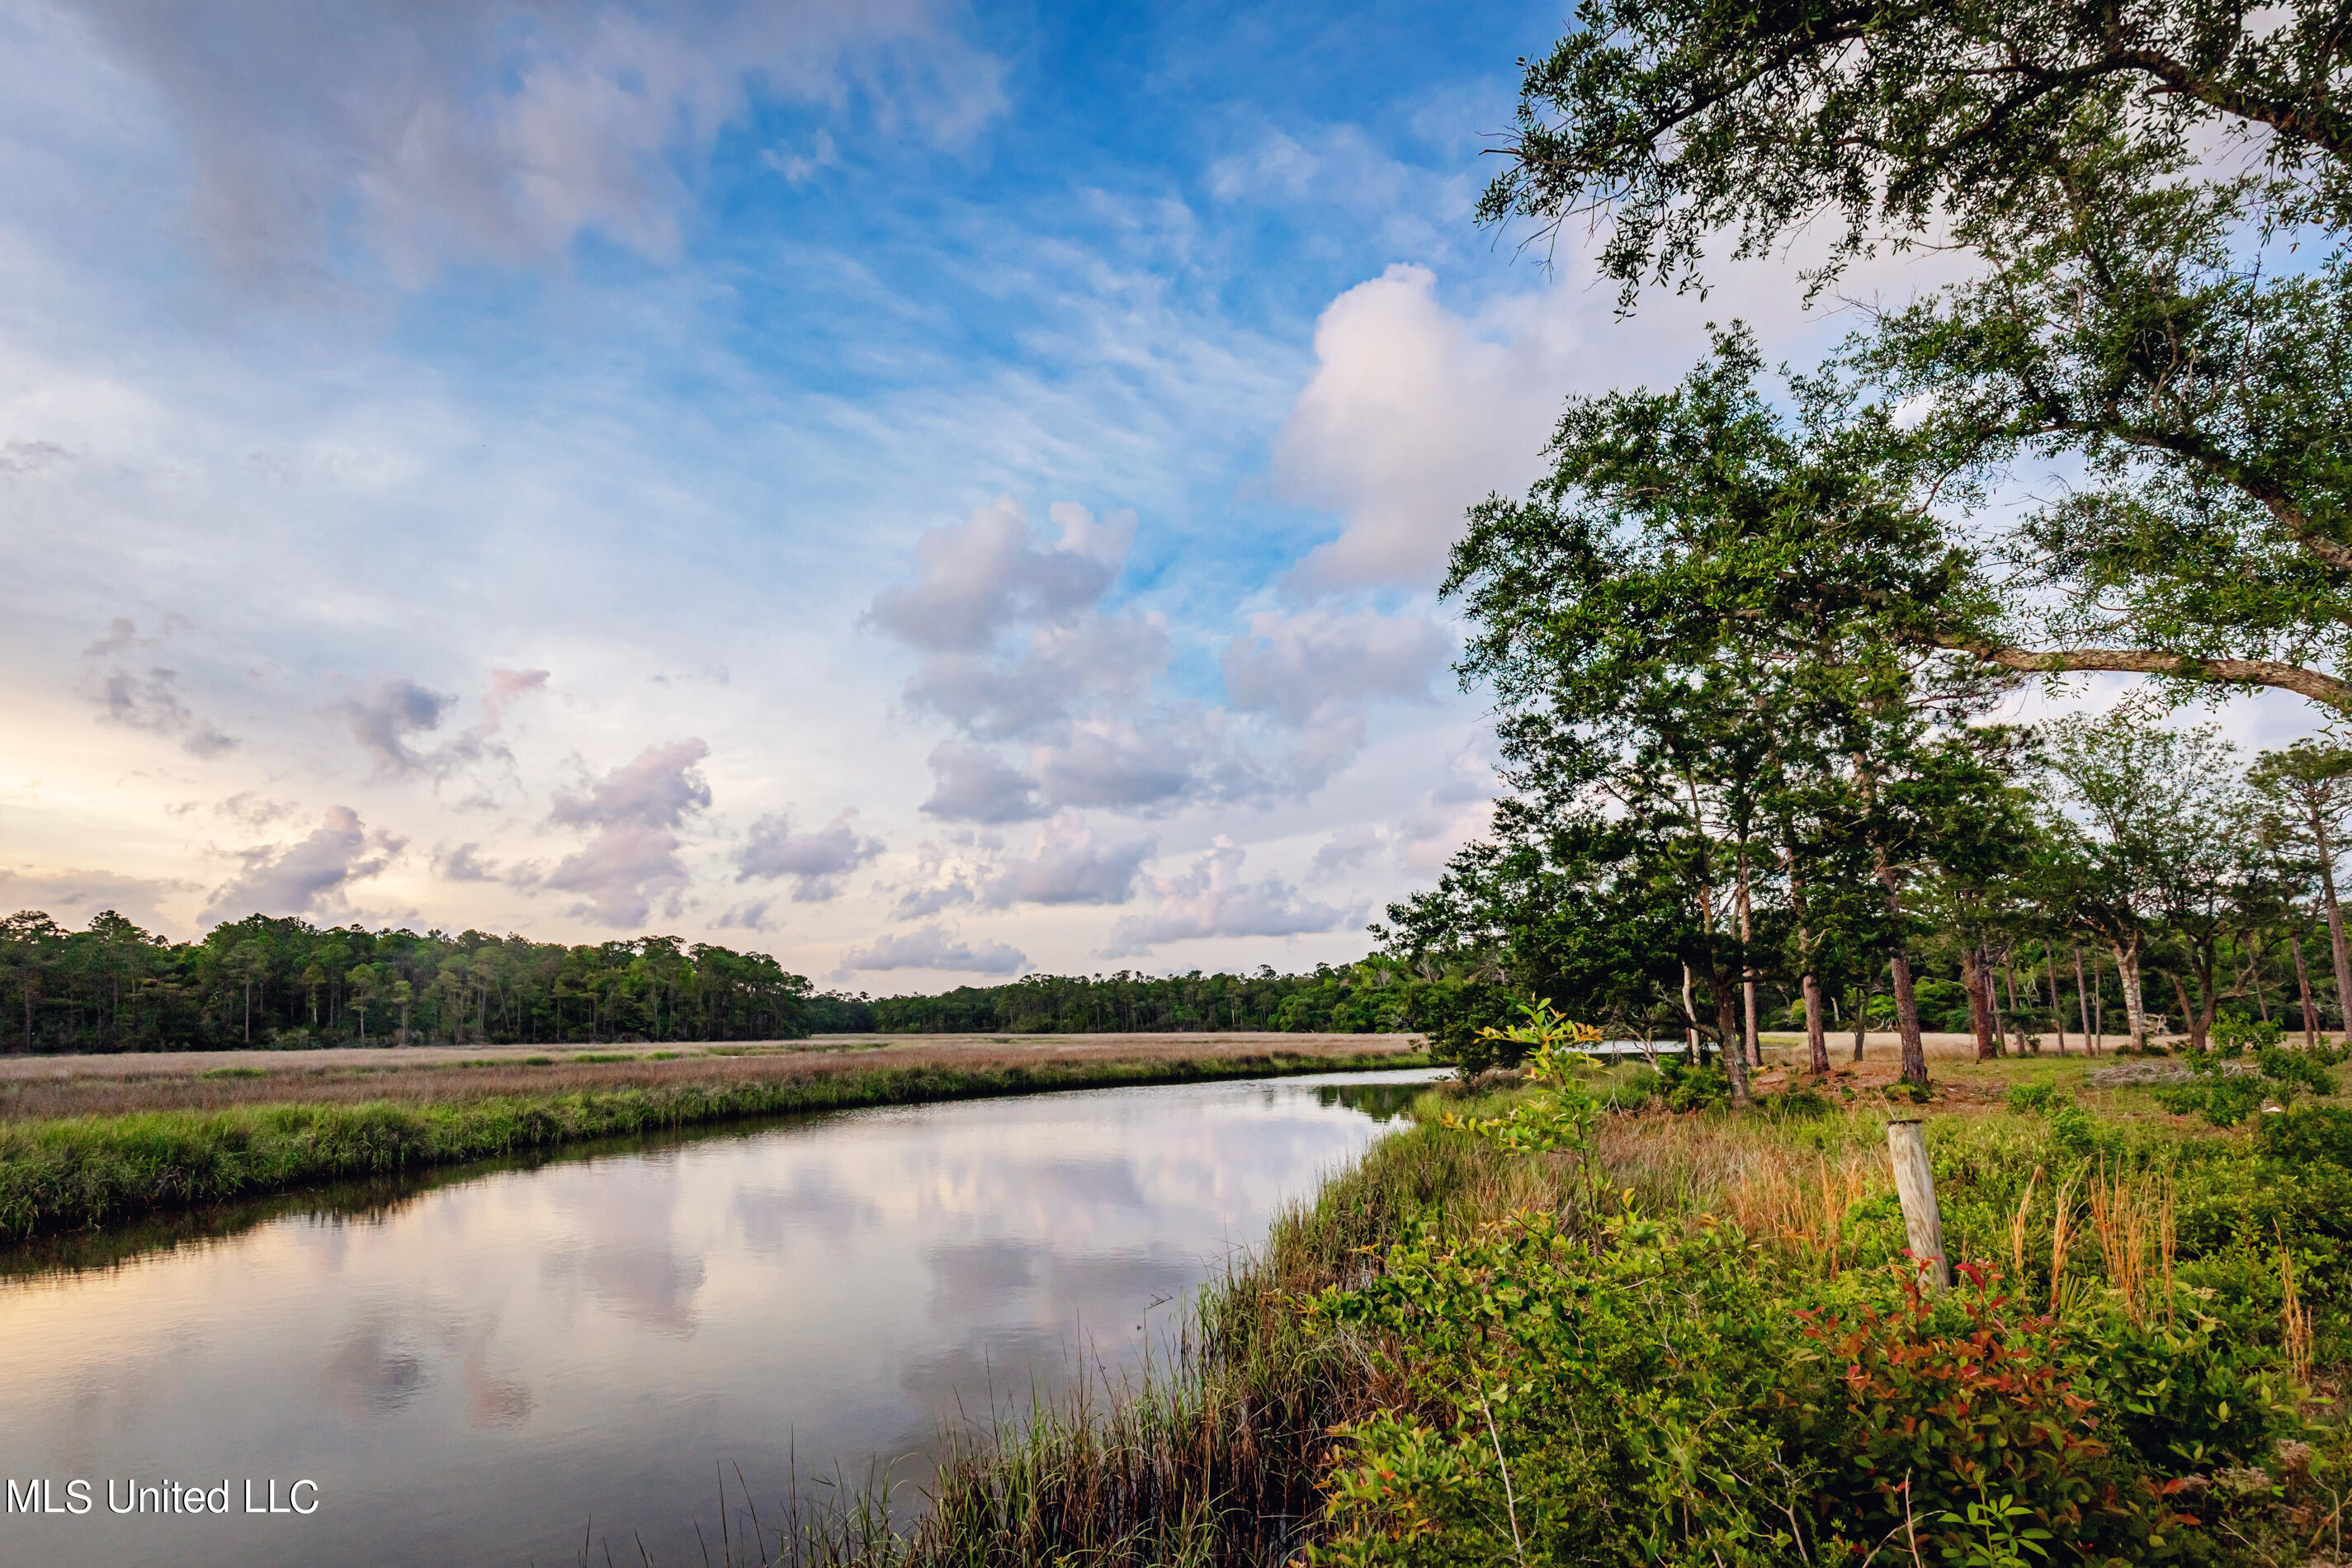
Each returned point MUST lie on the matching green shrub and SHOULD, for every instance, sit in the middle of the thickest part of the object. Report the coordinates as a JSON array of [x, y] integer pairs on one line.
[[1686, 1087], [1657, 1398], [2223, 1100], [2036, 1099]]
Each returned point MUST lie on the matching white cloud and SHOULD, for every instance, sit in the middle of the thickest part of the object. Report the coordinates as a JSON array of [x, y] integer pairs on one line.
[[1412, 415], [932, 947], [309, 876], [974, 784], [1212, 900], [1073, 865], [816, 861], [1315, 671], [635, 811]]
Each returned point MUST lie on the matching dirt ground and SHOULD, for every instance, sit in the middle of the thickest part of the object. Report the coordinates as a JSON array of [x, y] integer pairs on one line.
[[35, 1087]]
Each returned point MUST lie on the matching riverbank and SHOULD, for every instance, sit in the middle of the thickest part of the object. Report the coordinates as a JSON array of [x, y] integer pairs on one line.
[[1696, 1339], [281, 1133]]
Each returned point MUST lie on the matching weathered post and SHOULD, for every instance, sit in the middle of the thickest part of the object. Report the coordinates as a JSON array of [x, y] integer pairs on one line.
[[1915, 1184]]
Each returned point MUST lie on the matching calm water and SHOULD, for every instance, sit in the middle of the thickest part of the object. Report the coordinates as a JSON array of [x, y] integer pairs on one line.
[[475, 1372]]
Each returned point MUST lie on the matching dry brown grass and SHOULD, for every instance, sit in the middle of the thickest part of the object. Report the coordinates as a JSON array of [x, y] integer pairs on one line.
[[374, 1076], [2132, 1216]]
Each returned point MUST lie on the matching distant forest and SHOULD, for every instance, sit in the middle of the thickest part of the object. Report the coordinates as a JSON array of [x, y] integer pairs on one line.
[[287, 983], [1375, 996]]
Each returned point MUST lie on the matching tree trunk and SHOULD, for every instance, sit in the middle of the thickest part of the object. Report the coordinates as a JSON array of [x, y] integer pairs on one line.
[[2189, 1017], [2082, 1004], [2127, 977], [1899, 967], [2302, 989], [1749, 1039], [2057, 1013], [1860, 1015], [1726, 1025], [2335, 919], [1906, 1020], [2017, 1015], [1817, 1039], [1972, 977]]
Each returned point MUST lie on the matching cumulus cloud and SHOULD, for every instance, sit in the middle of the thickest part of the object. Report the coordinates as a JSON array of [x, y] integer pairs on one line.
[[501, 132], [1073, 865], [1315, 672], [150, 699], [387, 715], [1457, 810], [1412, 414], [71, 897], [309, 874], [463, 864], [1212, 900], [815, 861], [1011, 630], [976, 578], [975, 785], [1017, 645], [392, 713], [933, 947], [633, 813]]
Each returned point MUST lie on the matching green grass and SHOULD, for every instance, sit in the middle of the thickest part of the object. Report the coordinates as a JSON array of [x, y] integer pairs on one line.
[[79, 1173]]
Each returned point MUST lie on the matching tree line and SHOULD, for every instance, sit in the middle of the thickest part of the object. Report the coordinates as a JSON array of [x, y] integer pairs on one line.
[[286, 983], [1754, 637], [1379, 995]]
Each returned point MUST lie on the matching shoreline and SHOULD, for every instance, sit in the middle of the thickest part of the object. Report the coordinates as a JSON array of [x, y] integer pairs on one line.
[[67, 1173]]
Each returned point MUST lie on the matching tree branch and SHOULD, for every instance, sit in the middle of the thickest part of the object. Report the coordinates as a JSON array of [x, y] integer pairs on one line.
[[2319, 687]]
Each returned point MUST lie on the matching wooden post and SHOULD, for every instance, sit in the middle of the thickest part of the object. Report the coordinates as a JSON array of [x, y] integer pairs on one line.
[[1915, 1184]]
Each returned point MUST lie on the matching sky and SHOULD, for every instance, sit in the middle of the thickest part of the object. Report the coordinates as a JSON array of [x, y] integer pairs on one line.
[[932, 492]]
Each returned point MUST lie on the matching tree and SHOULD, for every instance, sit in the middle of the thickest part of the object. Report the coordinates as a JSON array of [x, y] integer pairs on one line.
[[2151, 808], [2140, 311], [1702, 623], [2307, 789]]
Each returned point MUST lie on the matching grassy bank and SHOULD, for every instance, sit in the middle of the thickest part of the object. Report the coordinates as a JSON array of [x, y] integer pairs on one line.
[[75, 1172], [1637, 1337]]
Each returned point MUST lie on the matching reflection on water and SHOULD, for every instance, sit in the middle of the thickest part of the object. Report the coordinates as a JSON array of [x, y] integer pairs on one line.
[[472, 1368]]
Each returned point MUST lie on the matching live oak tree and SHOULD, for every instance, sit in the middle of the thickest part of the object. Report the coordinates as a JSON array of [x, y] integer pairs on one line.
[[2152, 196], [1709, 612]]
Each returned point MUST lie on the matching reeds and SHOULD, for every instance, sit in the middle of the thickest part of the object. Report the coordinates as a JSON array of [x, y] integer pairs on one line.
[[2294, 1322], [2132, 1216]]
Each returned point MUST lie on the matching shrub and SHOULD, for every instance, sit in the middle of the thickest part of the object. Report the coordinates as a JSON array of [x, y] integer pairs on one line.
[[1686, 1087], [2036, 1099], [2223, 1100]]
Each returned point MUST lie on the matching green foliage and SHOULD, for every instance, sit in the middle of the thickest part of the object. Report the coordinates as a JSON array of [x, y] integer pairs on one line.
[[2234, 1035], [1663, 1398], [1371, 997], [1686, 1087], [2036, 1099], [2222, 1100]]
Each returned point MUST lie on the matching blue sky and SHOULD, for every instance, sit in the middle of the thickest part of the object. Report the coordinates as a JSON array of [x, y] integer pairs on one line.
[[927, 492]]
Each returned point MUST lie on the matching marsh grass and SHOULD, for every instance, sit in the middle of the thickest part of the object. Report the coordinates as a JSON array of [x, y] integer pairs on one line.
[[76, 1173]]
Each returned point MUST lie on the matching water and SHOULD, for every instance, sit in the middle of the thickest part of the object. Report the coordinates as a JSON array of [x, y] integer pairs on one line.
[[495, 1367]]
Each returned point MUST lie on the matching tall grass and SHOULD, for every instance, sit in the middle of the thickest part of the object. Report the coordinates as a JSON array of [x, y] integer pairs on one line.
[[76, 1173]]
